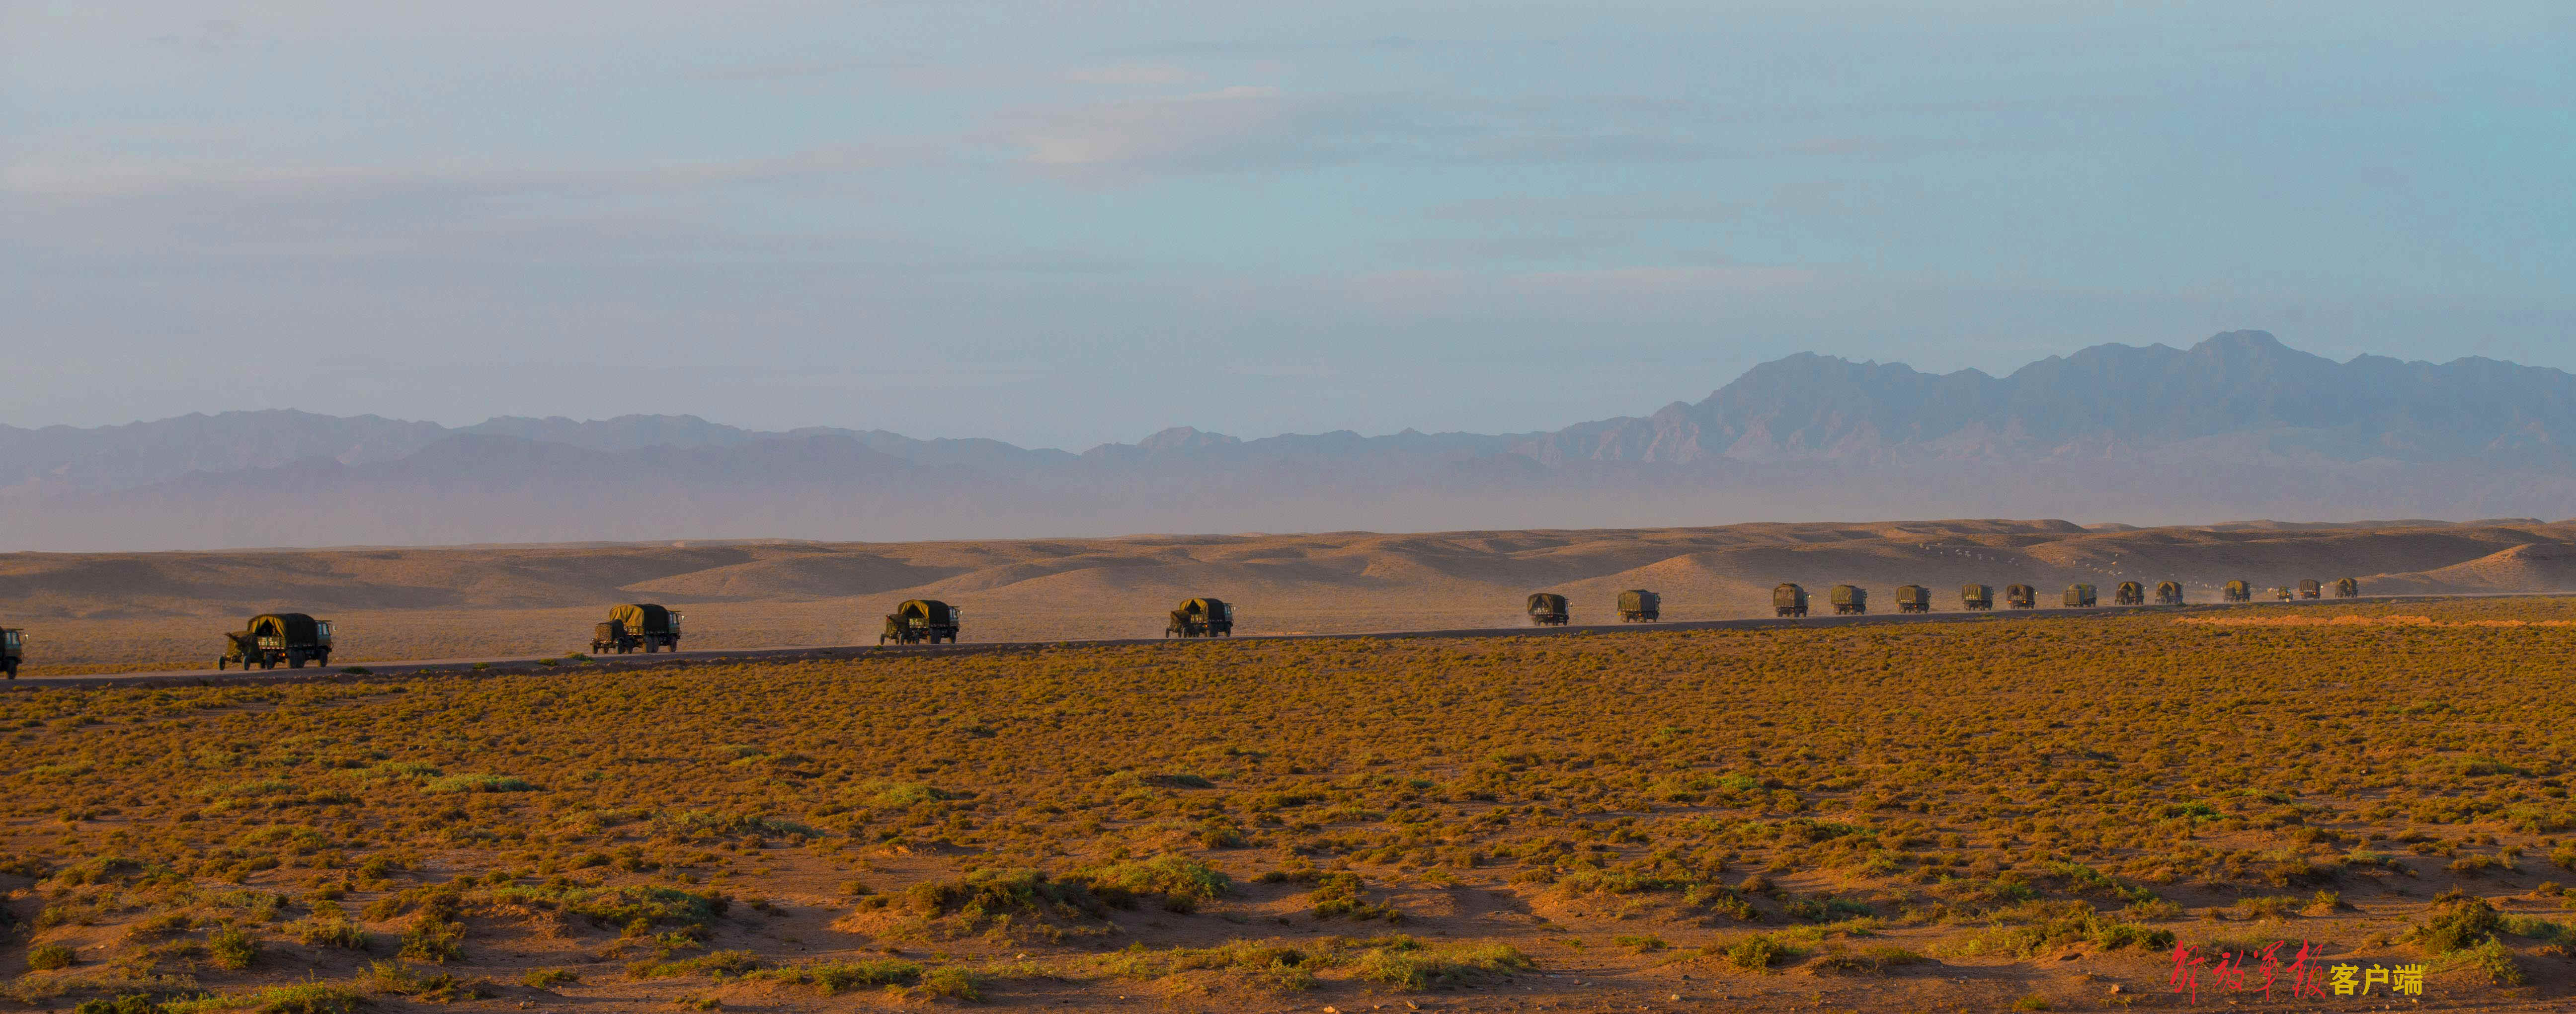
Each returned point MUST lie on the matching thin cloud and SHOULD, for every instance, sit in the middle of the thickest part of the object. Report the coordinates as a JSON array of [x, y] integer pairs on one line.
[[1591, 207], [1252, 128], [93, 177], [1132, 74]]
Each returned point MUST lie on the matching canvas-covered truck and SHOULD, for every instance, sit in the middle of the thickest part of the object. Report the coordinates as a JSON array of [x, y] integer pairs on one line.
[[13, 647], [1547, 609], [2283, 593], [2079, 596], [1850, 600], [2168, 593], [637, 625], [1913, 598], [2237, 591], [1977, 597], [271, 638], [2130, 593], [2021, 596], [1637, 605], [2310, 588], [2347, 588], [1789, 600], [920, 621], [1200, 617]]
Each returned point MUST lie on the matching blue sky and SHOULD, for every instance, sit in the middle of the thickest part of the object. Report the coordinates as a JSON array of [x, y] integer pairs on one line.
[[1065, 223]]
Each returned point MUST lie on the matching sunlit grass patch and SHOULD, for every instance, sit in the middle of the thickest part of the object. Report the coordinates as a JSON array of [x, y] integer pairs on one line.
[[478, 783], [1408, 963]]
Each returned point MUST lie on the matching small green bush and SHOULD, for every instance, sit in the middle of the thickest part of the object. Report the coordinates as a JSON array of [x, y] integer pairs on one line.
[[306, 998], [1180, 883], [478, 783], [1407, 963], [2458, 922], [47, 957], [1337, 894], [130, 1003], [2498, 963], [339, 933], [1872, 961], [835, 977], [1755, 953], [434, 940], [952, 983], [231, 949]]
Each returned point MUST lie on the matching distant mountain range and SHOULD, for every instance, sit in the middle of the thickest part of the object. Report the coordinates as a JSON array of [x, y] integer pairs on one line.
[[2236, 426]]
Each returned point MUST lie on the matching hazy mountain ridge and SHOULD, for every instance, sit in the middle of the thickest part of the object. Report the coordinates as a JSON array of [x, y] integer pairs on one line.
[[2264, 397], [2238, 425]]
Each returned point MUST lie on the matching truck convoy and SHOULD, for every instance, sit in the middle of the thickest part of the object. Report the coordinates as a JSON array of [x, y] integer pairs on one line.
[[297, 639]]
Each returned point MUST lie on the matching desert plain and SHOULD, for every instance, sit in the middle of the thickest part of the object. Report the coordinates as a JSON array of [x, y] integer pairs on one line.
[[100, 612], [2206, 810]]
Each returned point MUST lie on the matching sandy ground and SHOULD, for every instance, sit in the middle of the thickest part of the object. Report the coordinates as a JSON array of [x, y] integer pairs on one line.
[[115, 612]]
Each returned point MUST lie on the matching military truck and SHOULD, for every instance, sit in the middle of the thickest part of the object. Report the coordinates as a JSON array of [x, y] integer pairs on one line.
[[13, 646], [637, 625], [1850, 600], [1547, 609], [1637, 605], [1789, 600], [2130, 593], [2079, 596], [2168, 593], [2347, 588], [1201, 617], [2237, 591], [1913, 598], [920, 621], [271, 638], [1977, 596], [2310, 589], [2021, 596]]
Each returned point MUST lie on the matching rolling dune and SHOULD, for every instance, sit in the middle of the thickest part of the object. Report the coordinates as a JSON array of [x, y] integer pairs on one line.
[[88, 611]]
